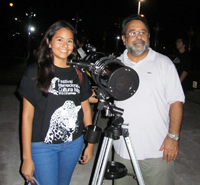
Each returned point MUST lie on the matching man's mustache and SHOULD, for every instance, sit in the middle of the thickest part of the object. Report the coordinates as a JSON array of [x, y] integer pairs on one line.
[[138, 41]]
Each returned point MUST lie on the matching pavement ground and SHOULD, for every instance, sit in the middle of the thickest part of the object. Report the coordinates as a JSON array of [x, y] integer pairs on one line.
[[187, 164]]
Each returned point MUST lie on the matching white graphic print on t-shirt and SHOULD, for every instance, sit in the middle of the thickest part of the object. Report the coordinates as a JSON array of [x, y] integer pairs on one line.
[[63, 87], [63, 123]]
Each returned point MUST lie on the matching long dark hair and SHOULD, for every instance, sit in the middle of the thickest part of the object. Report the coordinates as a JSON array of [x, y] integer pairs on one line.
[[45, 56]]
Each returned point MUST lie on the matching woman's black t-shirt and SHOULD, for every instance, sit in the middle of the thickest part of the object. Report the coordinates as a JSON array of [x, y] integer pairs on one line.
[[58, 117]]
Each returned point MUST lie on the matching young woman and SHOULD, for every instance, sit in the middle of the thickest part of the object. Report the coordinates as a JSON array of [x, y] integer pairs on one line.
[[55, 111]]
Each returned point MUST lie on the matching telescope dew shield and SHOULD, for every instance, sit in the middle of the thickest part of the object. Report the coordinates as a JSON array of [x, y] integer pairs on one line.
[[120, 81]]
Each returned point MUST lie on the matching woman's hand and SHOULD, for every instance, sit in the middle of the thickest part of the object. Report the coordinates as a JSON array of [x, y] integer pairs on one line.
[[28, 169], [88, 154]]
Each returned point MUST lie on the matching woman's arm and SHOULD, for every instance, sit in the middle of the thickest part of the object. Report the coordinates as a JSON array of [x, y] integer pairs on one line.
[[93, 98], [27, 119], [88, 154]]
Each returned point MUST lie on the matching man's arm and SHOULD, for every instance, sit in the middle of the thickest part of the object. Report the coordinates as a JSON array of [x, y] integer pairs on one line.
[[169, 145], [183, 75]]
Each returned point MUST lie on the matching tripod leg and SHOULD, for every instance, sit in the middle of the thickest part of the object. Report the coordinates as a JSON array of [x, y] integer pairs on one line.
[[135, 164], [100, 159], [103, 167]]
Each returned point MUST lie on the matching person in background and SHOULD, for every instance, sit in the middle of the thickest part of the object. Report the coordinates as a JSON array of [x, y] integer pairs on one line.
[[182, 62], [56, 109], [81, 42], [154, 112]]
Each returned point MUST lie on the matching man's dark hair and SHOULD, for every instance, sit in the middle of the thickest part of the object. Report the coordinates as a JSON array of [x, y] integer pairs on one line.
[[132, 18], [184, 40]]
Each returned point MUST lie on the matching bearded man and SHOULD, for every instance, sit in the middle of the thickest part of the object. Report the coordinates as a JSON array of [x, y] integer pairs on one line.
[[154, 112]]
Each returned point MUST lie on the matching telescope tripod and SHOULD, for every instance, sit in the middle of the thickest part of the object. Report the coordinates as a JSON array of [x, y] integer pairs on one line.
[[113, 133]]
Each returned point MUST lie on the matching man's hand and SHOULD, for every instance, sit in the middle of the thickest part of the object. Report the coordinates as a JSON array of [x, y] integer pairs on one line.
[[170, 148]]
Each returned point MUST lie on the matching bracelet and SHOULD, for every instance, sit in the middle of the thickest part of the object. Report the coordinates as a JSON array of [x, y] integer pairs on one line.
[[174, 137]]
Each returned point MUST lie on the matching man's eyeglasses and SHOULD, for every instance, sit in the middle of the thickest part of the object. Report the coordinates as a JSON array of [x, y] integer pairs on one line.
[[135, 33]]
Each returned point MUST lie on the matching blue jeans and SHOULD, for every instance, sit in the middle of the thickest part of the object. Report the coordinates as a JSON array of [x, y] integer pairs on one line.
[[55, 163]]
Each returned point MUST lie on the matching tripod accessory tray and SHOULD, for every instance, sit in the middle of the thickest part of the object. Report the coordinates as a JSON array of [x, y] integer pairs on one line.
[[115, 170]]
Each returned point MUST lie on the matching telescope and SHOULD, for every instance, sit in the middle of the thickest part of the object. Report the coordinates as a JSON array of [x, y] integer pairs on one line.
[[113, 80], [109, 74]]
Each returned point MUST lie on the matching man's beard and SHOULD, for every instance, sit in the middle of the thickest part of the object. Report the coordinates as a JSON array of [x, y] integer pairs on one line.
[[133, 50]]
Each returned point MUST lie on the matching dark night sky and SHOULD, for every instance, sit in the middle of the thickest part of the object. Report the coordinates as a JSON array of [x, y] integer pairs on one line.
[[172, 16]]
